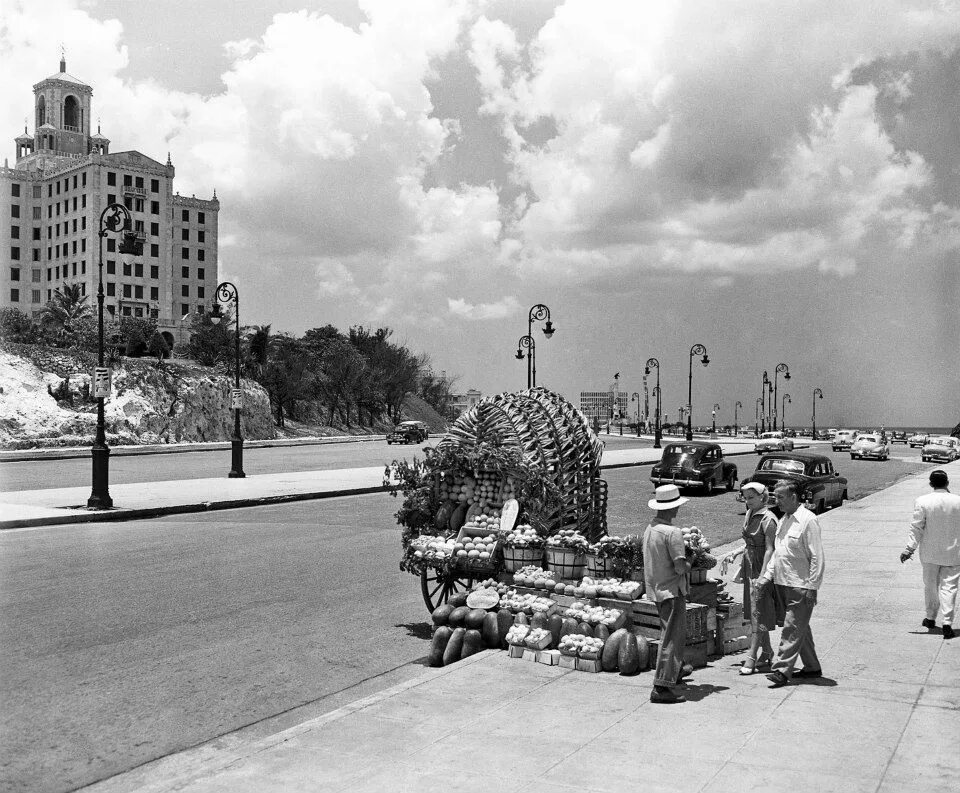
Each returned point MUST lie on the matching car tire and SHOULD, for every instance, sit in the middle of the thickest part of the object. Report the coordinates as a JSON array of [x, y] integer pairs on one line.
[[844, 497], [731, 483]]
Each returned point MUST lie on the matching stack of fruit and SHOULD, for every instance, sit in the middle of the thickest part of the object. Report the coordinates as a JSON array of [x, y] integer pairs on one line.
[[492, 583], [538, 639], [523, 536], [698, 549], [517, 634], [611, 588], [575, 644], [528, 604], [433, 549], [594, 615], [535, 577], [568, 538], [473, 546]]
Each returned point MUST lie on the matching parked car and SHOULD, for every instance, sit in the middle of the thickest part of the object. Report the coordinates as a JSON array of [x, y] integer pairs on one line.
[[870, 447], [941, 449], [844, 439], [831, 433], [822, 487], [773, 442], [918, 441], [408, 432], [898, 436], [694, 464]]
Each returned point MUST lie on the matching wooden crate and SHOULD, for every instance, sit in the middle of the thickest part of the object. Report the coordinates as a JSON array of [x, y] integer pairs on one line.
[[529, 655], [705, 594], [589, 665], [568, 662], [549, 657], [646, 616], [695, 653], [516, 650], [737, 645]]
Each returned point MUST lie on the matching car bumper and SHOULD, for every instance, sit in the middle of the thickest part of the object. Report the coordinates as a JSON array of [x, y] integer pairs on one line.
[[940, 457], [863, 453], [679, 481]]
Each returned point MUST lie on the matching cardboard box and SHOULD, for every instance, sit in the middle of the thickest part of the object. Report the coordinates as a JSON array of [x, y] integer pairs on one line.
[[549, 657], [588, 665], [516, 650], [530, 655], [568, 662]]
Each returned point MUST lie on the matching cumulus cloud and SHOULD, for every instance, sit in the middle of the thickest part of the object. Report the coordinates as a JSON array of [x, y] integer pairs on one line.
[[506, 307]]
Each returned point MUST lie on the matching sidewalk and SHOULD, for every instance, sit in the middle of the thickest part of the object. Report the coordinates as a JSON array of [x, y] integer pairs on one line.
[[54, 506], [886, 717]]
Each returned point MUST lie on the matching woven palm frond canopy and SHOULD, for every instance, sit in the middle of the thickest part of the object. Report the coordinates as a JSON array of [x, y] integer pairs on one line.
[[553, 436]]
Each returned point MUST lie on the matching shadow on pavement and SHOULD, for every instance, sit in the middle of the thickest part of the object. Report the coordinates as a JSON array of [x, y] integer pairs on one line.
[[419, 630], [695, 693]]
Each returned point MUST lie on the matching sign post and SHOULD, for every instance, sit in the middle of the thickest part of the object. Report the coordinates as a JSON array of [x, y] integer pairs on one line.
[[102, 381]]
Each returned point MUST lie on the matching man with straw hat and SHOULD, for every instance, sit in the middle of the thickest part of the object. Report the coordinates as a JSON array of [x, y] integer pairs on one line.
[[665, 569]]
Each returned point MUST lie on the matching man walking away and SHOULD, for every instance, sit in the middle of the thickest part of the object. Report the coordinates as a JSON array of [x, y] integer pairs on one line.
[[935, 529], [665, 569], [796, 568]]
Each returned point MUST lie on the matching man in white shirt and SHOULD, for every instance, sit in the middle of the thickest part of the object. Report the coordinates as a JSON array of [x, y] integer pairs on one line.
[[935, 529], [796, 568]]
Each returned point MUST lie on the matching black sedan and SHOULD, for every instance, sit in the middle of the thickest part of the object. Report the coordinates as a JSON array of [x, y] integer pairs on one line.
[[694, 464], [822, 487]]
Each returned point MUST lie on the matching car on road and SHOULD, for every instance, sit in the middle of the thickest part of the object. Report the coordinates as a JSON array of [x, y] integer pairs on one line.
[[821, 485], [941, 449], [870, 446], [898, 436], [694, 464], [918, 441], [773, 442], [844, 439], [408, 432], [831, 433]]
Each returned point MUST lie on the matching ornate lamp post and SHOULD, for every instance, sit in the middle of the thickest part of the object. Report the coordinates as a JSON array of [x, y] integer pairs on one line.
[[696, 349], [635, 397], [781, 367], [114, 218], [783, 410], [736, 405], [763, 396], [226, 293], [716, 407], [537, 312], [526, 343], [757, 417], [653, 363], [816, 393]]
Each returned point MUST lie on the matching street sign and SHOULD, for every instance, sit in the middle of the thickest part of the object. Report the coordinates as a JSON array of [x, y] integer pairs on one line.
[[102, 376], [236, 398]]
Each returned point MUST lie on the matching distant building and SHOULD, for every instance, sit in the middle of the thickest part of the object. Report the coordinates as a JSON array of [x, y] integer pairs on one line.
[[604, 405], [63, 178], [462, 402]]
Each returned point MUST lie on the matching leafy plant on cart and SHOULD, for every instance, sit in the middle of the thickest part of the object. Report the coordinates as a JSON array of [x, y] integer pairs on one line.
[[625, 555]]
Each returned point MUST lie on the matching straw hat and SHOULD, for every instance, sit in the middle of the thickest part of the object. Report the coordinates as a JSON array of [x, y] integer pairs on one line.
[[666, 497]]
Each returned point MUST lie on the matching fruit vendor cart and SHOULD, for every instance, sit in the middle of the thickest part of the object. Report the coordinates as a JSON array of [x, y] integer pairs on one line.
[[528, 456]]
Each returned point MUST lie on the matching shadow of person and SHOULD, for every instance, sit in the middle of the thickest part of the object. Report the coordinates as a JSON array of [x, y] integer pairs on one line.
[[694, 692], [419, 630], [825, 682]]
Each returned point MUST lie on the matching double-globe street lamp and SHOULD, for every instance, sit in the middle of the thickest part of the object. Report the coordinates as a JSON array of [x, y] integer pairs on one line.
[[696, 349], [114, 218], [736, 405], [635, 397], [716, 407], [763, 401], [537, 312], [781, 367], [758, 417], [653, 363], [816, 393], [526, 343], [227, 293], [783, 411]]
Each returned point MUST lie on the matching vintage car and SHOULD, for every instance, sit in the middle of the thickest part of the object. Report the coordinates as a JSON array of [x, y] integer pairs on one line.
[[844, 439], [694, 464], [870, 446], [773, 442], [898, 436], [918, 441], [823, 487], [408, 432], [941, 449]]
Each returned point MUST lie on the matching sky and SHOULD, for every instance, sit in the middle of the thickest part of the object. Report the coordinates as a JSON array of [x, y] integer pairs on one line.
[[778, 182]]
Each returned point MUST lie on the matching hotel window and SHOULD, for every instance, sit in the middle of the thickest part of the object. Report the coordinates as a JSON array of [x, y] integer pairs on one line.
[[184, 309], [83, 205], [126, 290], [36, 254], [127, 180], [126, 268], [184, 272], [200, 273], [154, 207], [111, 244], [74, 268], [83, 267], [37, 191], [184, 253], [154, 271], [185, 235], [35, 296], [73, 247], [201, 236], [138, 182], [15, 254], [111, 267], [74, 205], [57, 270], [14, 295], [111, 198], [185, 215], [49, 191], [83, 246], [154, 229], [126, 311], [138, 205], [15, 232], [58, 188], [14, 273], [138, 269], [15, 190], [200, 292], [201, 218], [154, 250], [74, 226], [14, 210], [49, 210], [36, 232], [37, 213], [185, 290], [201, 255], [137, 311], [74, 182], [83, 179], [138, 292], [111, 289], [36, 275], [154, 293], [154, 185]]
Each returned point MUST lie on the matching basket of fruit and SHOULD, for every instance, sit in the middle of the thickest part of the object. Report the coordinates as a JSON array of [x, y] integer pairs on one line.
[[521, 547], [476, 547], [565, 553], [599, 557]]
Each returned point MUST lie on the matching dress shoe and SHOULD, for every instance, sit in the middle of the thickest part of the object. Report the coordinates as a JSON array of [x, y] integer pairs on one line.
[[665, 696], [809, 673], [777, 679], [948, 632], [930, 625]]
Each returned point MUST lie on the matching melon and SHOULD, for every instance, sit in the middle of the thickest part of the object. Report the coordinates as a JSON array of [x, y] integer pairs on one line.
[[457, 616], [628, 657], [442, 519], [538, 620], [567, 626], [601, 632], [472, 643], [521, 619], [643, 647], [584, 629], [555, 623], [451, 653], [568, 590], [559, 588], [474, 619], [504, 623], [457, 600], [591, 592], [490, 630], [440, 638], [611, 650], [441, 614], [459, 517], [484, 598]]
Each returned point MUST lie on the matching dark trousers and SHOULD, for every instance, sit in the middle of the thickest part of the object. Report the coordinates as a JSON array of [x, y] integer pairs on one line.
[[796, 638], [673, 638]]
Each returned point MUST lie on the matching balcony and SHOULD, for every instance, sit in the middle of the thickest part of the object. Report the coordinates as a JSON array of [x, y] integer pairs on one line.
[[139, 192]]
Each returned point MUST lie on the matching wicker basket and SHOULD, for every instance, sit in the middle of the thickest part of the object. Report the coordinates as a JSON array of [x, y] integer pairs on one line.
[[515, 558], [565, 562], [598, 568]]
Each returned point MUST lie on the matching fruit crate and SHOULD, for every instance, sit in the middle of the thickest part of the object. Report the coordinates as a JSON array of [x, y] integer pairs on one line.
[[646, 620], [565, 562], [698, 576], [515, 558], [476, 566]]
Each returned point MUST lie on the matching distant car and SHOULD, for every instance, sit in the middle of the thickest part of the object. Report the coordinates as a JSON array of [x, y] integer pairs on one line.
[[408, 432], [918, 441], [831, 433], [870, 447], [822, 487], [898, 436], [773, 442], [844, 439], [941, 449], [694, 464]]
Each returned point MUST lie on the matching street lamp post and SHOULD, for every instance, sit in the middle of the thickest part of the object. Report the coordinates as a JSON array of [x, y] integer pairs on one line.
[[537, 312], [226, 293], [526, 343], [781, 367], [816, 393], [696, 349], [736, 405], [716, 407], [783, 411], [114, 218], [636, 397], [653, 363], [758, 413], [763, 397]]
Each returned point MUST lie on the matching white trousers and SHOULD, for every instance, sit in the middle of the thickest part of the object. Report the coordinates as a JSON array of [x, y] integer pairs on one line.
[[940, 591]]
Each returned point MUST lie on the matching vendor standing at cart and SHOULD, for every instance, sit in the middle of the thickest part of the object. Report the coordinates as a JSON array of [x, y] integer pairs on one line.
[[666, 577]]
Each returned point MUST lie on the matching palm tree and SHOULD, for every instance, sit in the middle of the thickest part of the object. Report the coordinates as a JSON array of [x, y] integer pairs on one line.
[[62, 311], [260, 345]]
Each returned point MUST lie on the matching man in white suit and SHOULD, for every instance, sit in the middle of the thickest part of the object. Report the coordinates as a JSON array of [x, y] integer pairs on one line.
[[935, 530]]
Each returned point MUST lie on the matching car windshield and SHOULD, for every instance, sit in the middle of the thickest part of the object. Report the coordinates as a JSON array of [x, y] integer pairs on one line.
[[772, 435], [678, 455], [867, 439], [784, 466]]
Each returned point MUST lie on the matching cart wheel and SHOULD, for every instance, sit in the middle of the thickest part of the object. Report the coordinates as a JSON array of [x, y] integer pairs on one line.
[[438, 587]]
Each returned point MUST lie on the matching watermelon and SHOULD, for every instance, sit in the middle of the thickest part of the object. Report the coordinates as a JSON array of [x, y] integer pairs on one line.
[[628, 658], [521, 619], [442, 519], [451, 653], [458, 616], [555, 623], [484, 598], [441, 614], [460, 599], [490, 630], [643, 647], [472, 643], [601, 632], [611, 650], [474, 619], [538, 620], [459, 517], [568, 626], [440, 638], [504, 623], [584, 629]]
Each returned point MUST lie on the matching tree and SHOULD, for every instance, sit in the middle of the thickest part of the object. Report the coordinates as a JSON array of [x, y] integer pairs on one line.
[[15, 326], [211, 343], [291, 374], [67, 305], [437, 390], [344, 371], [157, 347], [259, 345]]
